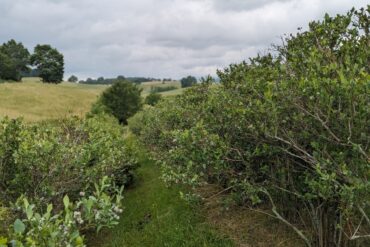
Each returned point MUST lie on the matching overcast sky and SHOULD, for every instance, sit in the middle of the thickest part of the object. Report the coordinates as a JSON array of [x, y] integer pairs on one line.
[[158, 38]]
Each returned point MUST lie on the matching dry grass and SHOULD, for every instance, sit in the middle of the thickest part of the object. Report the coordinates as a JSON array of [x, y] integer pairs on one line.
[[36, 101], [246, 227]]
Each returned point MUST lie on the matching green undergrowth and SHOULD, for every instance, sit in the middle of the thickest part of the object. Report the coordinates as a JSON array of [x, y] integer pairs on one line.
[[155, 215]]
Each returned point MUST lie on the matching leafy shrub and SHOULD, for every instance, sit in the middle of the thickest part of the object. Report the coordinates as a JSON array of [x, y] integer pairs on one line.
[[49, 159], [289, 130], [46, 161], [188, 81], [122, 100], [5, 218], [152, 99], [64, 228], [162, 89]]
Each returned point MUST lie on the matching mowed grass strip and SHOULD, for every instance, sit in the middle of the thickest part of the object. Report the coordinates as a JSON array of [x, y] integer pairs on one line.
[[155, 216], [37, 101]]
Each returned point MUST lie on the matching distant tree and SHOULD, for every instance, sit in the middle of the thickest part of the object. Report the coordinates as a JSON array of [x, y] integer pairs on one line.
[[153, 98], [100, 80], [73, 78], [121, 78], [122, 100], [14, 60], [49, 62], [6, 67], [188, 81]]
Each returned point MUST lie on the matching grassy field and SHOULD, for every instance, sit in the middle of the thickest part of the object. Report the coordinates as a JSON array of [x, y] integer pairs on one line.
[[35, 101], [146, 86]]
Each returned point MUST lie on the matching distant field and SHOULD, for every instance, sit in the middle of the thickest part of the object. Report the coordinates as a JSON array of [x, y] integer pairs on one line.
[[146, 86], [34, 100]]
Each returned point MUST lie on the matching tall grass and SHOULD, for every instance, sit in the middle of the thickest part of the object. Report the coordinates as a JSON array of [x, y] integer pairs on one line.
[[156, 216]]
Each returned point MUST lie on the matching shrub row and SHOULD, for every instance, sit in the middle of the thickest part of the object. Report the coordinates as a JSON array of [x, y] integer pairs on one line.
[[162, 89], [289, 130], [42, 164]]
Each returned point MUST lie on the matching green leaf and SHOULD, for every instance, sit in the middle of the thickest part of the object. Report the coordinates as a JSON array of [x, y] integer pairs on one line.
[[66, 201], [29, 212], [50, 207], [3, 241], [19, 226], [48, 211], [89, 205]]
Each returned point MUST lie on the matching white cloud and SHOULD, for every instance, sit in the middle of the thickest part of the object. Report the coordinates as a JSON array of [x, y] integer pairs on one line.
[[167, 38]]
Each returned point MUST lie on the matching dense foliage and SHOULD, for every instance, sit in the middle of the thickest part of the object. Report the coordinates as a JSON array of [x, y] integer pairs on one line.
[[63, 175], [188, 81], [122, 100], [109, 81], [288, 130], [152, 99], [14, 60], [102, 80], [162, 89], [49, 62], [73, 78]]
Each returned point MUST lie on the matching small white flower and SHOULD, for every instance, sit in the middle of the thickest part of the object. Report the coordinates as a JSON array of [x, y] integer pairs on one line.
[[82, 193]]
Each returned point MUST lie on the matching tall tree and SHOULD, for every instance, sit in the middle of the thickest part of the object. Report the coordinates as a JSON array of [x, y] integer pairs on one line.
[[122, 99], [188, 81], [49, 62], [14, 60], [73, 78]]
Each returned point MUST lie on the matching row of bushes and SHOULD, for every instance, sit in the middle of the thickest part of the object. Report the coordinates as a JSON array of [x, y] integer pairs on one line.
[[162, 89], [57, 177], [289, 131]]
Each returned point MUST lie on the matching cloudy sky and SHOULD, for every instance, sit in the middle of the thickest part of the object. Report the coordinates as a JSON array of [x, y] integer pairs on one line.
[[158, 38]]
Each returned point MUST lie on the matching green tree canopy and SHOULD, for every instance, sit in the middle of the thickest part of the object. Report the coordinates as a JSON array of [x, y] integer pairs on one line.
[[14, 60], [153, 98], [188, 81], [73, 78], [49, 62], [122, 100]]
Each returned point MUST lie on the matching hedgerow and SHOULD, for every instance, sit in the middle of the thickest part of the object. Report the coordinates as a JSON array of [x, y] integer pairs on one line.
[[288, 129], [55, 168]]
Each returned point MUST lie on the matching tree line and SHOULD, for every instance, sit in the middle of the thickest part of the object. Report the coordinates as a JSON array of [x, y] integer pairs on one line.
[[185, 82], [16, 62], [107, 81]]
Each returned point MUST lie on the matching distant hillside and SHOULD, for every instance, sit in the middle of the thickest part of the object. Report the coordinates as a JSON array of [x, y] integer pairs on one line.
[[108, 81]]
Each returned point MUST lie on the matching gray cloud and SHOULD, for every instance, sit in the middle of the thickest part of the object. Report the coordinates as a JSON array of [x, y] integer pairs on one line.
[[242, 5], [167, 38]]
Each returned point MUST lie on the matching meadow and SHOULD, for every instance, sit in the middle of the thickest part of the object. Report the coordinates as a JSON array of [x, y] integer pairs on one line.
[[35, 101]]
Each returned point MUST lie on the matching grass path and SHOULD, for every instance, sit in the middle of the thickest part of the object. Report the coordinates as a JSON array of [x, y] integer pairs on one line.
[[155, 215]]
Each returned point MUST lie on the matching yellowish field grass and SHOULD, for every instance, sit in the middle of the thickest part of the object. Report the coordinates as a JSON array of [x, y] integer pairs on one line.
[[34, 100]]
